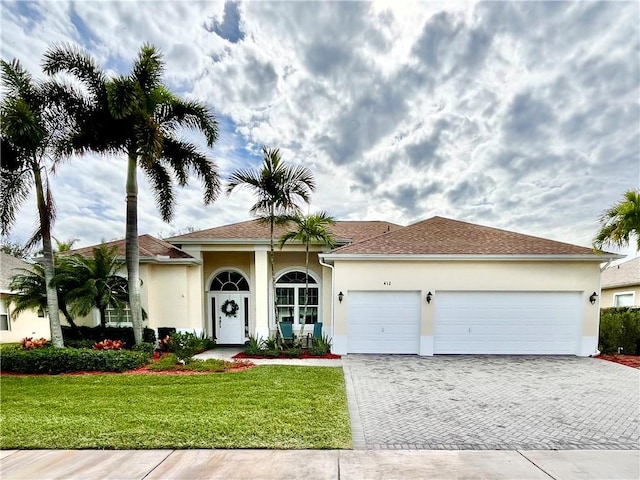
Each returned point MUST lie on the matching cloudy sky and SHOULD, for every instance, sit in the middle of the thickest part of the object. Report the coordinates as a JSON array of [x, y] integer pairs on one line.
[[517, 115]]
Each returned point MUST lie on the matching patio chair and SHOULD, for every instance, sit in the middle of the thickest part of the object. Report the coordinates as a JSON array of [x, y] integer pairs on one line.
[[317, 330], [287, 333]]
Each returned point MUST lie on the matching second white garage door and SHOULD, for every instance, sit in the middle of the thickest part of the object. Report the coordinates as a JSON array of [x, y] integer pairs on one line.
[[384, 322], [507, 322]]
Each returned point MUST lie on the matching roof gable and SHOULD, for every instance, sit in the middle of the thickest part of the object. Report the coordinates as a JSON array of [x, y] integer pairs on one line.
[[623, 274], [150, 247], [443, 236], [9, 266]]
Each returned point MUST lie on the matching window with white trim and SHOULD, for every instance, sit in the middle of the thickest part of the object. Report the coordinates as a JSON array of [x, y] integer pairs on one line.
[[624, 299], [294, 303], [118, 317], [4, 315]]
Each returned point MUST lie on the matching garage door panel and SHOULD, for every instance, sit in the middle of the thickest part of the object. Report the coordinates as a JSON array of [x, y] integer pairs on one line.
[[507, 322], [383, 322]]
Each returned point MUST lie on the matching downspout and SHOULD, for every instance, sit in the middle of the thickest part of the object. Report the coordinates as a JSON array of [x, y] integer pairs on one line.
[[333, 291]]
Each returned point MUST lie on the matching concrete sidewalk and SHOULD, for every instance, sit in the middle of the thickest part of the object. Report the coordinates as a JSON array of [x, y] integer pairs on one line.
[[319, 464]]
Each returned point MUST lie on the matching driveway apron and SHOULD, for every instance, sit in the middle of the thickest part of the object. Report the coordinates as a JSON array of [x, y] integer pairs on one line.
[[492, 402]]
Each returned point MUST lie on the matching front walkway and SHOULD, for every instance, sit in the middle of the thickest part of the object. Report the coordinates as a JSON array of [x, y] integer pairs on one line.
[[227, 353], [317, 464]]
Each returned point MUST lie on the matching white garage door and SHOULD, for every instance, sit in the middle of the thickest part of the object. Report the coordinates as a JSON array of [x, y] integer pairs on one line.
[[507, 322], [384, 322]]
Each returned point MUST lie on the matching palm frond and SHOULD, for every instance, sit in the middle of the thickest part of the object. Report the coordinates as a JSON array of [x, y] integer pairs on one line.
[[620, 222], [69, 58], [184, 156], [15, 187], [190, 114], [148, 67], [161, 185], [16, 81]]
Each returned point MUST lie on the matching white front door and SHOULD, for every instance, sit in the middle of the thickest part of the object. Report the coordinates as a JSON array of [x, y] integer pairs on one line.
[[228, 313]]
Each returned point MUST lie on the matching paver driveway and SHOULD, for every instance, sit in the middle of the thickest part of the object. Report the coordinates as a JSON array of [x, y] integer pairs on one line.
[[492, 402]]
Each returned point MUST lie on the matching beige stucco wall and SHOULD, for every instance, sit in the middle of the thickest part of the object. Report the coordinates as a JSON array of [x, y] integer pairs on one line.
[[437, 276], [606, 299], [27, 324], [173, 296]]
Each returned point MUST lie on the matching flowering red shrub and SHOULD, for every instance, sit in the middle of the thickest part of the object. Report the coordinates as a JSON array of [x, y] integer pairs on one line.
[[109, 345], [28, 343]]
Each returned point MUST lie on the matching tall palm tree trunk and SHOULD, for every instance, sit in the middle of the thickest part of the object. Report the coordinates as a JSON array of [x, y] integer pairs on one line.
[[132, 251], [45, 227], [306, 289]]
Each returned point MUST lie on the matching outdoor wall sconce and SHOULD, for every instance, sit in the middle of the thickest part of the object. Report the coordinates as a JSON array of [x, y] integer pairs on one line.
[[429, 295], [593, 298], [340, 297]]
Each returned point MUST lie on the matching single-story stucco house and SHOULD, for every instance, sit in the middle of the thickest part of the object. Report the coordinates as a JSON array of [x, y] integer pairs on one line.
[[29, 323], [621, 285], [439, 286]]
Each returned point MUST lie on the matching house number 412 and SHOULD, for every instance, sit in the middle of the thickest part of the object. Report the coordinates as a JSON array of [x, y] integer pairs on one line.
[[386, 283]]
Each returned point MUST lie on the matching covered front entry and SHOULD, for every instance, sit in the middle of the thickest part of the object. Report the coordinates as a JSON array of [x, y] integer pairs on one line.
[[508, 322], [229, 308], [384, 322]]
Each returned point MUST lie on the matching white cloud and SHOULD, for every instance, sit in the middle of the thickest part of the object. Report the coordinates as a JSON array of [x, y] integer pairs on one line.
[[520, 115]]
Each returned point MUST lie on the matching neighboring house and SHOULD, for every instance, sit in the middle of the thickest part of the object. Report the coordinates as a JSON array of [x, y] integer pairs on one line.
[[438, 286], [621, 285], [28, 323]]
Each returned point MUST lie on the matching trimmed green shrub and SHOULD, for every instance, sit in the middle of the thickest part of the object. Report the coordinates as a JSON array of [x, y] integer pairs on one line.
[[79, 343], [184, 345], [293, 352], [60, 360], [620, 327], [144, 347], [97, 334]]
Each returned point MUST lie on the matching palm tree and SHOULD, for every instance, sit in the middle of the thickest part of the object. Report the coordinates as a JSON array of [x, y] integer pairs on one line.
[[619, 223], [31, 291], [277, 187], [31, 127], [137, 115], [93, 282], [308, 229]]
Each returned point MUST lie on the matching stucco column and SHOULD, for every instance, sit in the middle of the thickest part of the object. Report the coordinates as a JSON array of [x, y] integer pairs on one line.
[[262, 279]]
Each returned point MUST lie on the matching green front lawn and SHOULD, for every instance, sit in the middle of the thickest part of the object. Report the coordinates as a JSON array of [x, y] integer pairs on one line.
[[263, 407]]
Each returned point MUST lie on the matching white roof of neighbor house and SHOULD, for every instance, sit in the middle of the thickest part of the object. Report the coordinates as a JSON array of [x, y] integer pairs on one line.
[[8, 266], [621, 275]]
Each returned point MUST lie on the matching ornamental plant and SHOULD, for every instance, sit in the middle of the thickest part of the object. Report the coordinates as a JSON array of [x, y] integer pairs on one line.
[[28, 343], [107, 344], [184, 345]]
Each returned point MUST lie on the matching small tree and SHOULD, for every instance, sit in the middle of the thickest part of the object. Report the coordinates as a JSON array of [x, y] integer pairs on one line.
[[620, 222], [94, 282], [31, 290], [309, 229], [277, 187]]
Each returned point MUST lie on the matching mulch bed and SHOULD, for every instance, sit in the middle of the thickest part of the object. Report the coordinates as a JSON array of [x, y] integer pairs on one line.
[[305, 356], [628, 360]]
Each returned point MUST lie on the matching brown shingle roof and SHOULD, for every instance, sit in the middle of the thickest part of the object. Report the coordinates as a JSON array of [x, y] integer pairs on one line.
[[9, 266], [254, 230], [442, 236], [149, 247], [623, 274]]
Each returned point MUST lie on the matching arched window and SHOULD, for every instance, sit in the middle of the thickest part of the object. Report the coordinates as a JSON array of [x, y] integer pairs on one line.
[[294, 304], [229, 281]]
